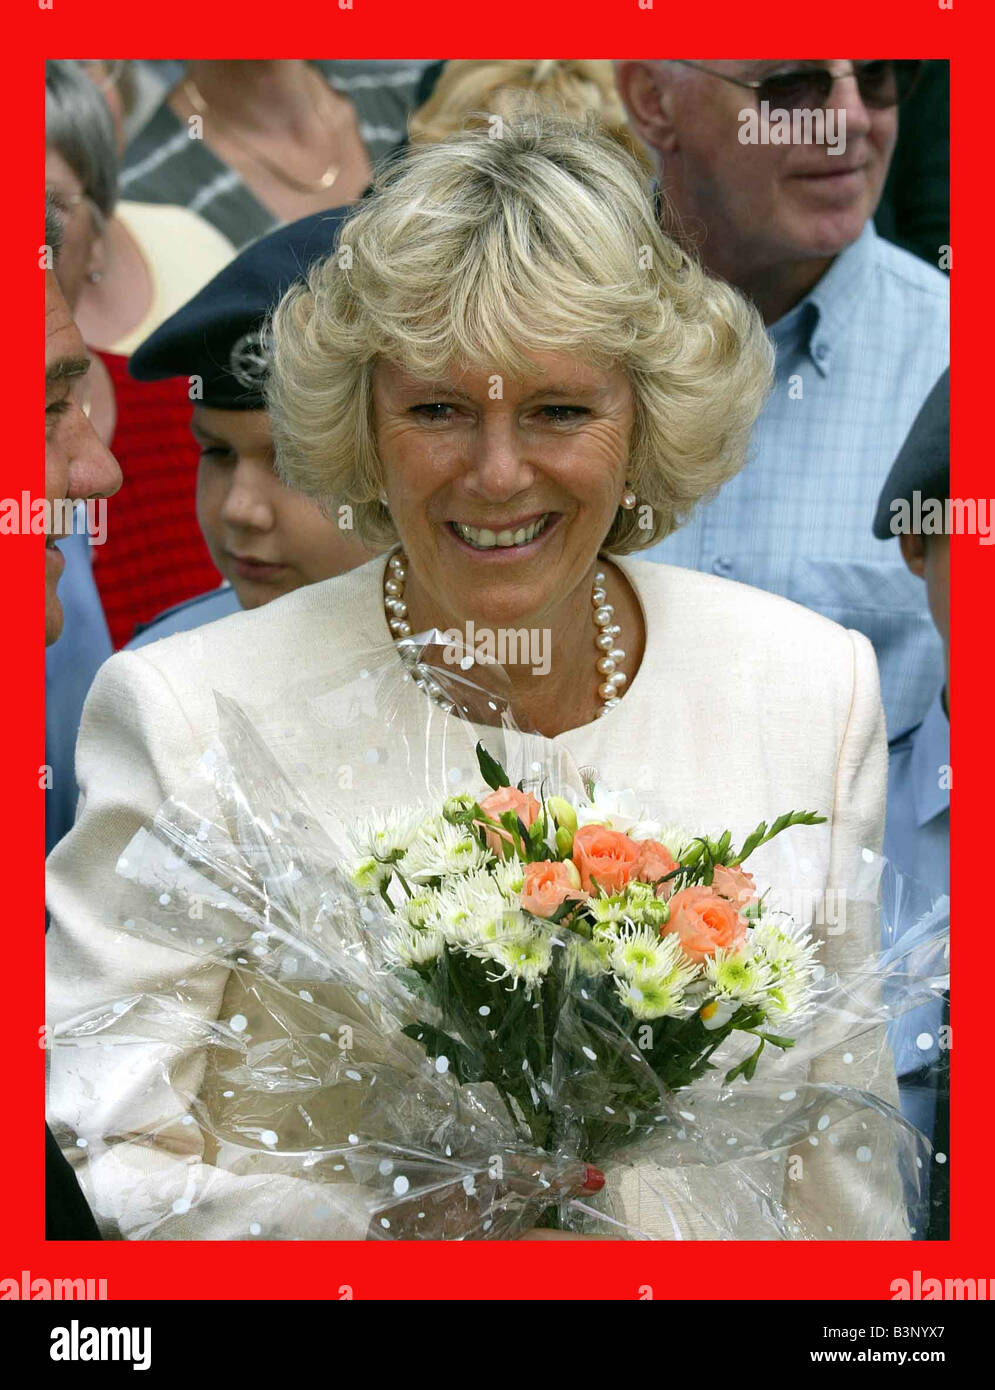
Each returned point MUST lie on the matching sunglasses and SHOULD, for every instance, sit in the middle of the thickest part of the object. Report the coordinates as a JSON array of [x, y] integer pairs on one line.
[[882, 82]]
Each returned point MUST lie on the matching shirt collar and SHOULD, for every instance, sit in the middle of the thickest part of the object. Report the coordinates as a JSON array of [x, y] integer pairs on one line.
[[830, 307], [930, 753]]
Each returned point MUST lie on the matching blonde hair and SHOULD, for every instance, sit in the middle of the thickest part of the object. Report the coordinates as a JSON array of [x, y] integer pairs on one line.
[[477, 252], [471, 91]]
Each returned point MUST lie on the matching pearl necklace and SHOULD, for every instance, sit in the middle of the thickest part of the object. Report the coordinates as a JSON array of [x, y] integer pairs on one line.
[[607, 632]]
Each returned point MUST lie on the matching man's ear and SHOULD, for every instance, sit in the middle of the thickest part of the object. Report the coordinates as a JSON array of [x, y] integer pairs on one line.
[[647, 90], [914, 553]]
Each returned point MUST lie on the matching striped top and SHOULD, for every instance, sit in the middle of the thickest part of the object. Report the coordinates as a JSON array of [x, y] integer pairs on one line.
[[164, 165]]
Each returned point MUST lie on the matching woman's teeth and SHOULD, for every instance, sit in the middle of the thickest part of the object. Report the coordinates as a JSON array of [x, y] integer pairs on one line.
[[483, 539]]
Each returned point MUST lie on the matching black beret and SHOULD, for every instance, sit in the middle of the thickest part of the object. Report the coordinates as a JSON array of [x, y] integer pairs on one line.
[[923, 462], [218, 335]]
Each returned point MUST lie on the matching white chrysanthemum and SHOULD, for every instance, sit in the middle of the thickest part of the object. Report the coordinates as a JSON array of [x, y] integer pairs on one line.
[[648, 997], [789, 951], [385, 835], [652, 974], [370, 876], [470, 910], [790, 997], [439, 850], [607, 912], [637, 952], [675, 838], [738, 976], [416, 947], [591, 958], [783, 944], [522, 954], [421, 911], [509, 879]]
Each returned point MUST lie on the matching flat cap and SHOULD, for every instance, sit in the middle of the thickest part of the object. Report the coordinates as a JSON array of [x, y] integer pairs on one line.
[[923, 462], [219, 335]]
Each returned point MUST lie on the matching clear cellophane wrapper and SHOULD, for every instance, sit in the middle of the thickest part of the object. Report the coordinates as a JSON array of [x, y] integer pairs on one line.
[[272, 1081]]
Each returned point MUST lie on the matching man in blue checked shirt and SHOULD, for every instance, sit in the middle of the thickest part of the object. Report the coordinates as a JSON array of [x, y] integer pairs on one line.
[[860, 329]]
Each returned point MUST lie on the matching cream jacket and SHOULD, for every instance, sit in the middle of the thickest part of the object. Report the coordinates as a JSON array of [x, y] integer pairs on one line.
[[745, 706]]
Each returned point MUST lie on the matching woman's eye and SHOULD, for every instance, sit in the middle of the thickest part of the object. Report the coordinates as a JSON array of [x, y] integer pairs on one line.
[[564, 414], [432, 410], [216, 453]]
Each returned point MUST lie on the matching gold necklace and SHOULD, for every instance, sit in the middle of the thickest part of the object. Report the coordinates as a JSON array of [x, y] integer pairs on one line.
[[196, 100]]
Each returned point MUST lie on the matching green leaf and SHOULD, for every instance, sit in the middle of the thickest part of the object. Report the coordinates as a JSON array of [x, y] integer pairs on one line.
[[762, 835], [514, 828], [490, 769]]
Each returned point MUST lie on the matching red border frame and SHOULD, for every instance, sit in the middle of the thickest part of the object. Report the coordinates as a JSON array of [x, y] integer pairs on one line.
[[388, 29]]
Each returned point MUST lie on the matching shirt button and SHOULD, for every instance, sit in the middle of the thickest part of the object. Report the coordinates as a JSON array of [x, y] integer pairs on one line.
[[821, 352], [723, 565]]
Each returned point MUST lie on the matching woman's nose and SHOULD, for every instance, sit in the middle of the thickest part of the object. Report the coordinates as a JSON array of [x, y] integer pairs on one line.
[[498, 464]]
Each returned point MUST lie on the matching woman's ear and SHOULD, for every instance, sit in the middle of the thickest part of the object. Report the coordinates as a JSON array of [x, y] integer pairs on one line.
[[914, 553], [647, 92]]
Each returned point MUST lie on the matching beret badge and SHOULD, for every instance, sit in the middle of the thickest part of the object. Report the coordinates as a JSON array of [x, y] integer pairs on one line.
[[249, 359]]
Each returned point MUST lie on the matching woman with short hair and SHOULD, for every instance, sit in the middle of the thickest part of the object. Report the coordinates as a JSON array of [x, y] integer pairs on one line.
[[516, 381]]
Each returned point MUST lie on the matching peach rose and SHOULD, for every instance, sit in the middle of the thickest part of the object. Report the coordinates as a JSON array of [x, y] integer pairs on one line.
[[547, 885], [606, 855], [504, 799], [704, 921], [655, 861], [735, 884]]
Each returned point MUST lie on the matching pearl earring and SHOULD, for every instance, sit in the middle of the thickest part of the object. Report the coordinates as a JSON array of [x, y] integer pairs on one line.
[[628, 499]]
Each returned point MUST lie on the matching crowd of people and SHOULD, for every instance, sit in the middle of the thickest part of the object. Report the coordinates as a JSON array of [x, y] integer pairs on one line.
[[748, 405]]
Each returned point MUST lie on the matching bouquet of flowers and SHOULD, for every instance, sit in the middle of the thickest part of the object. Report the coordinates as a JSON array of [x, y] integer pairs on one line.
[[576, 966], [440, 1031]]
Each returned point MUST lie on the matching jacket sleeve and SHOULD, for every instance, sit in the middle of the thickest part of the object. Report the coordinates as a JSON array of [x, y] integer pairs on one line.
[[115, 1101]]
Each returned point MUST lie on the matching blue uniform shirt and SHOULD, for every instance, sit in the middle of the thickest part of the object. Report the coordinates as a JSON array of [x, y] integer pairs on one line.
[[70, 666], [855, 361], [917, 843], [184, 617]]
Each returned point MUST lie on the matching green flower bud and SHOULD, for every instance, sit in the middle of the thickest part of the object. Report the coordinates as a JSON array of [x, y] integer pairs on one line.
[[564, 841], [459, 810], [563, 813]]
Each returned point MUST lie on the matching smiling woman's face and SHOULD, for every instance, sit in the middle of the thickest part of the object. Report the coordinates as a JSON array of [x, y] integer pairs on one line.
[[502, 504]]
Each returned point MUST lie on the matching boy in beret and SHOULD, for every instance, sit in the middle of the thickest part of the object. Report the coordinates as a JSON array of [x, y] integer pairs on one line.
[[917, 830], [917, 835], [265, 539]]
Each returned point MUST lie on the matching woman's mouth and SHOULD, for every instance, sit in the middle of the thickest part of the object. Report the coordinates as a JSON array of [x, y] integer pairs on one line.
[[514, 536]]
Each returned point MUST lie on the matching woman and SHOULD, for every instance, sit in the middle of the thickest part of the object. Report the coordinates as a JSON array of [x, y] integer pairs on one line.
[[254, 142], [507, 369], [470, 92]]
